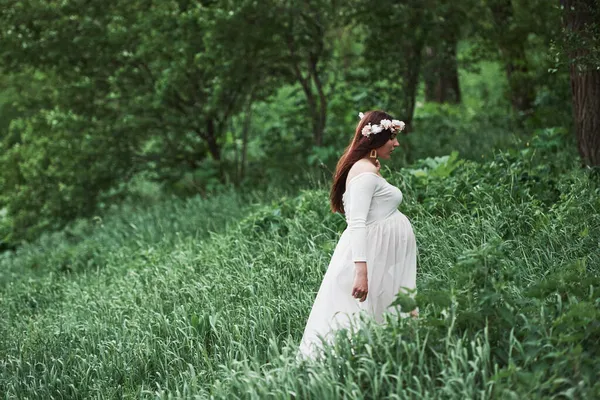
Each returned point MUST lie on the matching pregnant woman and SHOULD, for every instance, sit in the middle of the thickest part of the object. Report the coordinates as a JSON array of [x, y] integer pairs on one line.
[[376, 256]]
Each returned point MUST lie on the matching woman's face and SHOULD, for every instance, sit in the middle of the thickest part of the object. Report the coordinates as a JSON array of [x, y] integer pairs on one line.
[[386, 150]]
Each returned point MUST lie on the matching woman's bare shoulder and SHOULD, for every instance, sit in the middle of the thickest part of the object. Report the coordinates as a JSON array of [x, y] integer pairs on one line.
[[360, 167]]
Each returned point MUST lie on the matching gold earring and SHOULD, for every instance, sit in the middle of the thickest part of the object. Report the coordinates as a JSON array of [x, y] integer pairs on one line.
[[373, 153]]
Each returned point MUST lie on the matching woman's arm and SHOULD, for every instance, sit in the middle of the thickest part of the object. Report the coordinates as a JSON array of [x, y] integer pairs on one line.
[[361, 191]]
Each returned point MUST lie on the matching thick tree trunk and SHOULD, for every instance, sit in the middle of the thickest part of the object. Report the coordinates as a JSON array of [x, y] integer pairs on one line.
[[441, 78], [585, 87], [410, 77], [522, 92], [585, 83]]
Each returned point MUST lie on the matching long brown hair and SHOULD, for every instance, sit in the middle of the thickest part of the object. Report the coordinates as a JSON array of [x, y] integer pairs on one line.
[[358, 148]]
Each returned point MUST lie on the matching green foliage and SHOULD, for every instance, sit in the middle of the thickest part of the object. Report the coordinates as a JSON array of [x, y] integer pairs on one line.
[[518, 34], [142, 89], [50, 179], [579, 42], [437, 167], [207, 297], [198, 97], [210, 297], [443, 128]]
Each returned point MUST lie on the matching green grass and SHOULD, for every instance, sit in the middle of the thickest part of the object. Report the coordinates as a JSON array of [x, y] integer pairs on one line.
[[209, 297]]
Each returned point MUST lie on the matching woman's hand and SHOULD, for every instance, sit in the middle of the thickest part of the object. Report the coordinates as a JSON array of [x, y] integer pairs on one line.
[[361, 284]]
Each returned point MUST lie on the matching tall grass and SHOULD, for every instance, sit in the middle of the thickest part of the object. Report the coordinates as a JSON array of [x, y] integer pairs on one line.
[[208, 298]]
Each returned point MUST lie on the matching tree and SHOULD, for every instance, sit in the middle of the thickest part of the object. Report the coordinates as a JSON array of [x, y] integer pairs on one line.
[[394, 45], [510, 37], [581, 43], [305, 34], [440, 69], [516, 31], [138, 85]]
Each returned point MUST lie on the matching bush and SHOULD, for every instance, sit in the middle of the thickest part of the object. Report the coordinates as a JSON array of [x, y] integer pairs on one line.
[[155, 302]]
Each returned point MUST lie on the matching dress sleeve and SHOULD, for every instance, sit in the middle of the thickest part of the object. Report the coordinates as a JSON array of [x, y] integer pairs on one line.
[[361, 192]]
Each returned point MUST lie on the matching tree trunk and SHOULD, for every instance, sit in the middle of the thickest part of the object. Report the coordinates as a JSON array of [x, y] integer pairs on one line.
[[430, 74], [321, 111], [585, 87], [313, 107], [410, 78], [522, 92], [585, 83], [449, 87], [236, 154], [317, 103], [441, 77], [512, 53], [211, 140], [410, 92], [245, 131]]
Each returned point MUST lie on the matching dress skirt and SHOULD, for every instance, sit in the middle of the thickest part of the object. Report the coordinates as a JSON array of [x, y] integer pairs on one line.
[[391, 266]]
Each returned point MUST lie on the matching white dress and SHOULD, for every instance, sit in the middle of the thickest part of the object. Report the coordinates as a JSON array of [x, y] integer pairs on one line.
[[380, 235]]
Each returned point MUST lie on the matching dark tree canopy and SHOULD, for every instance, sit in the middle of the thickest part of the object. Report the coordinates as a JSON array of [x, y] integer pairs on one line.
[[201, 94]]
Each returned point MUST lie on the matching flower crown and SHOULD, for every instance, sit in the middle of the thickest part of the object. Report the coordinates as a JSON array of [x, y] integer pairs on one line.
[[393, 125]]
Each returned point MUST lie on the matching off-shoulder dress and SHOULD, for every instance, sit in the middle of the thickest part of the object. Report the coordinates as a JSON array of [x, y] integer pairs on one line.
[[378, 233]]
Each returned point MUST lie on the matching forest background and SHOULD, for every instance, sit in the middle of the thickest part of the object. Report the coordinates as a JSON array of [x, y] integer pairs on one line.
[[98, 97], [154, 152]]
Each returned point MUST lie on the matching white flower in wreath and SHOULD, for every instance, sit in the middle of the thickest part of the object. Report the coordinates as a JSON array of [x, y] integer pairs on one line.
[[385, 123], [398, 124], [367, 130], [376, 129]]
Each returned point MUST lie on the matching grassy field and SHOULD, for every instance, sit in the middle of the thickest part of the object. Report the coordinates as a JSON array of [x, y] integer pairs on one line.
[[206, 298]]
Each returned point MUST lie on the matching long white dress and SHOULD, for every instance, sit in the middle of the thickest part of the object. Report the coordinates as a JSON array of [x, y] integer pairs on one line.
[[376, 233]]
